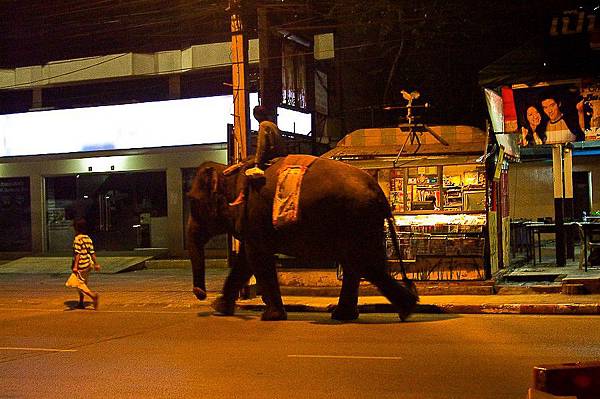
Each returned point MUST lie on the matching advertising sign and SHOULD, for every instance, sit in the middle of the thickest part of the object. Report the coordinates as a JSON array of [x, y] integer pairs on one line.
[[141, 125], [556, 114]]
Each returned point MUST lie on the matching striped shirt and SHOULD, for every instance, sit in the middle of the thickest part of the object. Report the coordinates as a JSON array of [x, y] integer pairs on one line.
[[82, 245], [558, 132]]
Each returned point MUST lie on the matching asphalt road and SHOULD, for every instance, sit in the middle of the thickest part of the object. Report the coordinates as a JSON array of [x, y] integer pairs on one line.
[[161, 353]]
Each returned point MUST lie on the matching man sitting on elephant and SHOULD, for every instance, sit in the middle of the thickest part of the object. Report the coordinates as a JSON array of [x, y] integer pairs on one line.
[[269, 144]]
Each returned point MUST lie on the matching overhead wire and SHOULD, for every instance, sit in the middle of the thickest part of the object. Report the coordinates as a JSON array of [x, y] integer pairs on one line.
[[164, 31], [132, 29]]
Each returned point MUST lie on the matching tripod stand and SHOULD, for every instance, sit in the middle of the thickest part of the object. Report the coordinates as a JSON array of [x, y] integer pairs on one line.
[[415, 130]]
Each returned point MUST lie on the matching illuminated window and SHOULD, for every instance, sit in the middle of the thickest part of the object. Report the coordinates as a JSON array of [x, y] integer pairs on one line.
[[293, 79]]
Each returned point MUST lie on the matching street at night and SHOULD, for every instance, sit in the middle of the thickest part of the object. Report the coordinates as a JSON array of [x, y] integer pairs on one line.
[[299, 199], [151, 338], [188, 353]]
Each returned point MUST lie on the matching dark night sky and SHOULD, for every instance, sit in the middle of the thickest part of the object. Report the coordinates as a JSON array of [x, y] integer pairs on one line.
[[444, 43]]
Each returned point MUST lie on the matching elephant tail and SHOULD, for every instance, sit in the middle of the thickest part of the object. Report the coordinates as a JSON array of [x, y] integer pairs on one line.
[[396, 245]]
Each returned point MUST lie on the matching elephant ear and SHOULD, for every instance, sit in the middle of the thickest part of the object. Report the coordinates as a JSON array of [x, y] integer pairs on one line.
[[205, 182]]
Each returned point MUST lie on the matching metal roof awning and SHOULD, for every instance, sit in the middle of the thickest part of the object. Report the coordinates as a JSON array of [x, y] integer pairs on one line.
[[544, 152], [389, 142], [409, 150], [414, 162]]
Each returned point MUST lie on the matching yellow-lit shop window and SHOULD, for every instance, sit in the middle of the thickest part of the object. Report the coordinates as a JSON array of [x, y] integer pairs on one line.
[[448, 188]]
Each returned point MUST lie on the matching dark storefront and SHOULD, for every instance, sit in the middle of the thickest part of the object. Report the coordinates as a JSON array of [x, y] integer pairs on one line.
[[124, 211], [15, 214]]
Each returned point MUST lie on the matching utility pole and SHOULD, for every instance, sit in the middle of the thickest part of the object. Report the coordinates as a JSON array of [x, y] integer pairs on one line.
[[239, 70], [241, 114], [270, 63]]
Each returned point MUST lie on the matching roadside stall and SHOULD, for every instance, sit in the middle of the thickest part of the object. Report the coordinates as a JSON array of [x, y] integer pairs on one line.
[[439, 194], [545, 94]]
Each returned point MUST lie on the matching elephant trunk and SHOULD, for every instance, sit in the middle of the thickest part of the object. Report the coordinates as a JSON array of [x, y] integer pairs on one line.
[[198, 271]]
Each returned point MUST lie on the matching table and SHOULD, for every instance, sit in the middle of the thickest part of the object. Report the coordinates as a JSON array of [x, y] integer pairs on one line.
[[533, 229], [589, 229], [537, 228]]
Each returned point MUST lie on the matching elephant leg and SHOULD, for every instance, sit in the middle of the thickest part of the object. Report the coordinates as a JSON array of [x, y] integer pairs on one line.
[[347, 308], [196, 252], [263, 264], [403, 298], [239, 274]]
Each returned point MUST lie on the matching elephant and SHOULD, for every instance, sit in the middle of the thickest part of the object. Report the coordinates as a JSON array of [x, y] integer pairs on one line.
[[342, 211]]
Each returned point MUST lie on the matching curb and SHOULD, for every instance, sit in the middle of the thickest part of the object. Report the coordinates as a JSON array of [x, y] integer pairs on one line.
[[526, 309], [368, 290]]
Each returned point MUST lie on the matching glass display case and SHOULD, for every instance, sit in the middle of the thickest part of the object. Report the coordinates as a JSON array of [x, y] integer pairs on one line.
[[440, 216]]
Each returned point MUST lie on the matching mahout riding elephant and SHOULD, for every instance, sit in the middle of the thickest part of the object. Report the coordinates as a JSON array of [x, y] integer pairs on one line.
[[342, 211]]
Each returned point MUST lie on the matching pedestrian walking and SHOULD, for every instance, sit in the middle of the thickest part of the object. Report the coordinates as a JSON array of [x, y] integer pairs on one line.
[[84, 259]]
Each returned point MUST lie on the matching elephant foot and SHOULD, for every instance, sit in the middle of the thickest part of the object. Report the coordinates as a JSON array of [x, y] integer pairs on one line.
[[200, 293], [408, 307], [223, 307], [273, 315], [344, 314], [412, 288]]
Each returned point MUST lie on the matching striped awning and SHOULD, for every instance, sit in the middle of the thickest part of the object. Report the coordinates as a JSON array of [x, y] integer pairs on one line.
[[387, 142]]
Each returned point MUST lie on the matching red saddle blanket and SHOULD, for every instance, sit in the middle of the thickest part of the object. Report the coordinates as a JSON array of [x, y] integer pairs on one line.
[[287, 192]]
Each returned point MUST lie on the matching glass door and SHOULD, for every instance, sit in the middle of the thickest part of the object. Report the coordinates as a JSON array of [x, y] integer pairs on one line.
[[124, 211]]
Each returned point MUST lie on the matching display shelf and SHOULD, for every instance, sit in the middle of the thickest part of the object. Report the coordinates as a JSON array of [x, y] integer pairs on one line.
[[441, 235], [414, 245], [437, 219]]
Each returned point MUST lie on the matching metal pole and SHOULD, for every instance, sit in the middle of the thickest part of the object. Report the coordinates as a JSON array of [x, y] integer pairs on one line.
[[568, 205], [239, 63], [240, 94], [558, 176], [241, 113]]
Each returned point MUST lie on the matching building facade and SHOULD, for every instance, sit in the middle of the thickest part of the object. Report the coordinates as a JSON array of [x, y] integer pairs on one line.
[[127, 174]]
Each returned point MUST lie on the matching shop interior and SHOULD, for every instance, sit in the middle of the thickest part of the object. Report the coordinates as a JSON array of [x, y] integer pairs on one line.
[[444, 188], [440, 214]]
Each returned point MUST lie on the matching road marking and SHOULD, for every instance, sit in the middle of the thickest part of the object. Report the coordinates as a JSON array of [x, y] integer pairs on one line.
[[31, 309], [348, 357], [191, 311], [9, 348]]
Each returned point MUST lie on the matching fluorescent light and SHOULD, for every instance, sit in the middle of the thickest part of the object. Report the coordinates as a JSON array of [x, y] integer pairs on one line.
[[142, 125], [293, 121]]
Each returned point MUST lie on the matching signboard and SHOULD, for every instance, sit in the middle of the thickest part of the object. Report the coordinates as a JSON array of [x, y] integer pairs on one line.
[[142, 125], [549, 85], [549, 114]]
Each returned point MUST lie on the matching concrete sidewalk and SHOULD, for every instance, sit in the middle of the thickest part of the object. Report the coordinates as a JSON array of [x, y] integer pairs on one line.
[[170, 289], [542, 279]]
